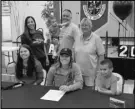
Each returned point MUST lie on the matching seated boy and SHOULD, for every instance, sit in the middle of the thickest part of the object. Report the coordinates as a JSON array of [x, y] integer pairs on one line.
[[106, 82]]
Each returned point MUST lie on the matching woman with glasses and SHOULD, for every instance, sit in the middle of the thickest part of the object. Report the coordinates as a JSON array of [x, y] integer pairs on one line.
[[65, 74]]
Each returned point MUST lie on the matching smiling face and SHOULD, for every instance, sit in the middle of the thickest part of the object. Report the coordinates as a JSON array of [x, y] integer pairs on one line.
[[105, 70], [54, 30], [66, 16], [55, 41], [24, 53], [64, 59], [86, 26], [31, 23]]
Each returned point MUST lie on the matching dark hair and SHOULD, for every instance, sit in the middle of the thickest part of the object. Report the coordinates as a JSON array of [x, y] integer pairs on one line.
[[26, 29], [67, 10], [19, 64], [58, 64], [25, 25], [108, 62]]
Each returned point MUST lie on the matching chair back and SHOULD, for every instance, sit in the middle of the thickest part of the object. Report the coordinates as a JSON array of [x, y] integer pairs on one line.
[[18, 40], [120, 83], [44, 78]]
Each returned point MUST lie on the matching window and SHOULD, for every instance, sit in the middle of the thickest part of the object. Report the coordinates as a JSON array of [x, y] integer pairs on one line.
[[6, 22]]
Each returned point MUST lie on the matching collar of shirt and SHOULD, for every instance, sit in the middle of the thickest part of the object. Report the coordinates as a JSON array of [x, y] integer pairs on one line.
[[86, 41]]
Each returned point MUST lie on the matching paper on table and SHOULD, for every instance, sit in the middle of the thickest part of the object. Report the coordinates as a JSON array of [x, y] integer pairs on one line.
[[53, 95]]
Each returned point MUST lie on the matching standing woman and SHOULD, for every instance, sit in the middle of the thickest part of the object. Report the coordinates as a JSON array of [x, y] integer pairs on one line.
[[35, 40], [89, 52], [65, 74], [28, 68]]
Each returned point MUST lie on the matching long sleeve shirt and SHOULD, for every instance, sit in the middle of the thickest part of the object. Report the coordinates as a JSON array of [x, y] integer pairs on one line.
[[37, 74], [57, 77]]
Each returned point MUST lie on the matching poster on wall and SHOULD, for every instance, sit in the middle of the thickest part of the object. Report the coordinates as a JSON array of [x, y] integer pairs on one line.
[[97, 11]]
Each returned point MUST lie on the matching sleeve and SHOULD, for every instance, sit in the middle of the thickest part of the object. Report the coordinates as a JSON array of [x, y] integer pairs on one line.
[[39, 71], [78, 74], [50, 76], [99, 46], [78, 80], [25, 40], [76, 32]]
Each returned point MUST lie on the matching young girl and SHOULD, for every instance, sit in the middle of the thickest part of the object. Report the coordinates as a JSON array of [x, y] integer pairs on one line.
[[65, 74], [28, 68]]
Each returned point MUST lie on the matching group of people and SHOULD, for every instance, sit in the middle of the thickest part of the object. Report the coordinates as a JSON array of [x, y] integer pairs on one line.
[[80, 57]]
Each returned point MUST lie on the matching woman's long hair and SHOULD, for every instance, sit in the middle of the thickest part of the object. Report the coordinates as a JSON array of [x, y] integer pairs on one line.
[[58, 64], [26, 29], [30, 63]]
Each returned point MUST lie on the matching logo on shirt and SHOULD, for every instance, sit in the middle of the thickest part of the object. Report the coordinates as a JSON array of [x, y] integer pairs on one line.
[[94, 9]]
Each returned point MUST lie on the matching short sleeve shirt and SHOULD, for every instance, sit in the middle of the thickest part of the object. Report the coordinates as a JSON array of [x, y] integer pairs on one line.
[[68, 36], [87, 53]]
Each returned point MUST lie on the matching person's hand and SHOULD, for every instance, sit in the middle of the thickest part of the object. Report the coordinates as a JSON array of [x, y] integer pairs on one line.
[[47, 61], [100, 89], [96, 88], [35, 41], [35, 83], [64, 88], [40, 40], [21, 82]]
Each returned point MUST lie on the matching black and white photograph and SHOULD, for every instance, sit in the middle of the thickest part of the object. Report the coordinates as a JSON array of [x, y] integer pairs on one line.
[[67, 54]]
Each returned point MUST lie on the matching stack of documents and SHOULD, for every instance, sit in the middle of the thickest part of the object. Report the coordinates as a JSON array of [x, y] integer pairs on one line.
[[53, 95]]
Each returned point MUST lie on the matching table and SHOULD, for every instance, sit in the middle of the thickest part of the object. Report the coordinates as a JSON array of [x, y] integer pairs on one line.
[[29, 96], [9, 49]]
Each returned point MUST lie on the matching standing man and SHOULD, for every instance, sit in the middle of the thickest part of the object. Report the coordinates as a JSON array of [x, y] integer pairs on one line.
[[70, 32]]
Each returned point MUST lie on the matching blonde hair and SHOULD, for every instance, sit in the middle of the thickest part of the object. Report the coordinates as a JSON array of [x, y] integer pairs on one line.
[[88, 21]]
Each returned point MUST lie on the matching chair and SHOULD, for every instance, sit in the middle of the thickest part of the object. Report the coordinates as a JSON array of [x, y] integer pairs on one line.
[[44, 78], [18, 40], [120, 83]]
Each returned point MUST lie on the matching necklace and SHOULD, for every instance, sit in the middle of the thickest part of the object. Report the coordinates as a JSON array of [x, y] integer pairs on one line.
[[87, 40]]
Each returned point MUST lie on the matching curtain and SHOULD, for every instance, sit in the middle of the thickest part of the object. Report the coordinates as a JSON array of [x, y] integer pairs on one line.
[[18, 9]]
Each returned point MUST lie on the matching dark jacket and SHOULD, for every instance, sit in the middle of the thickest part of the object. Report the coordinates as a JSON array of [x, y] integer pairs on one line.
[[37, 48]]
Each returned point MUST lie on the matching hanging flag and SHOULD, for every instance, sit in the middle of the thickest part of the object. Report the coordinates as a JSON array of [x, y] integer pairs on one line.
[[97, 11]]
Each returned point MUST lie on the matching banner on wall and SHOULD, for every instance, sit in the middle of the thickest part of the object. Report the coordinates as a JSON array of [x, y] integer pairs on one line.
[[97, 11]]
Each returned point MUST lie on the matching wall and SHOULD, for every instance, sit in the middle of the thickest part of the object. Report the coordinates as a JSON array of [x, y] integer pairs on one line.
[[74, 6], [110, 22], [6, 30]]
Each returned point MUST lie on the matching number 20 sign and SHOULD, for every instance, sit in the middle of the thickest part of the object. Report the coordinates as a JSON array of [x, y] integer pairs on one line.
[[126, 51]]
